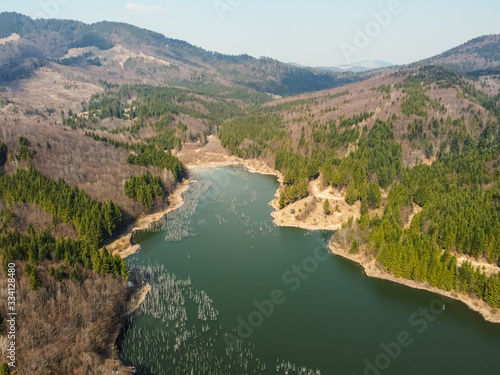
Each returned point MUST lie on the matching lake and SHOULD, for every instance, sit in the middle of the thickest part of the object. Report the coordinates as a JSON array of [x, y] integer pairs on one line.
[[234, 294]]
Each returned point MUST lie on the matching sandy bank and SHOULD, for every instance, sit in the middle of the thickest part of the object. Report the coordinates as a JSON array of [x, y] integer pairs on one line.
[[123, 245], [213, 155], [308, 213], [373, 270]]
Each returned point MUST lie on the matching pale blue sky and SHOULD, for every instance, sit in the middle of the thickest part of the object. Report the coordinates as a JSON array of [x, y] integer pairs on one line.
[[316, 32]]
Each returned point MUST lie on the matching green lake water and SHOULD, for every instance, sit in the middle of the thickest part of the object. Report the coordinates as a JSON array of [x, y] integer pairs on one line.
[[234, 294]]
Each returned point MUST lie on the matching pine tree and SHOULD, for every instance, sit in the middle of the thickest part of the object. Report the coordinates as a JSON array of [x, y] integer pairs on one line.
[[326, 207], [492, 291], [3, 154], [351, 195], [75, 273], [4, 369], [354, 247], [364, 221], [35, 281]]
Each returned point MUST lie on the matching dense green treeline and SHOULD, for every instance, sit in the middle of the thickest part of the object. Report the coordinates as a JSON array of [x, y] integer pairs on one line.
[[298, 171], [33, 248], [327, 136], [378, 159], [92, 39], [94, 221], [158, 101], [465, 214], [415, 101], [142, 102], [417, 257], [150, 155], [460, 200], [294, 192], [105, 106], [257, 130], [297, 167], [145, 188], [217, 90]]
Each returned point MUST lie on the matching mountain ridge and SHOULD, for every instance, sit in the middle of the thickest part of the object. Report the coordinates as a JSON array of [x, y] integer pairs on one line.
[[357, 67], [406, 159], [480, 55], [50, 40]]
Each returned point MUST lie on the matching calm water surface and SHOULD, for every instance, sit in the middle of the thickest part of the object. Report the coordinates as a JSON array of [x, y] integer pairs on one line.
[[234, 294]]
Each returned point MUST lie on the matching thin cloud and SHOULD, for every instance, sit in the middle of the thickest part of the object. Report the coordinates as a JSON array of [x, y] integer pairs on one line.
[[140, 8]]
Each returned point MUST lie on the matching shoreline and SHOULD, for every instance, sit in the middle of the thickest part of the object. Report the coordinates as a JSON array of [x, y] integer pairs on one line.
[[123, 245], [307, 213], [315, 220], [136, 300], [371, 269], [211, 160]]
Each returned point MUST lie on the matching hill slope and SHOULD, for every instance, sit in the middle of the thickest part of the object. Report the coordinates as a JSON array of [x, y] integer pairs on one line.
[[408, 161], [119, 53], [480, 55], [412, 153]]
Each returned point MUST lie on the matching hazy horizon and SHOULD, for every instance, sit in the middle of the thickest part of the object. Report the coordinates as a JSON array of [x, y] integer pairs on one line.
[[319, 34]]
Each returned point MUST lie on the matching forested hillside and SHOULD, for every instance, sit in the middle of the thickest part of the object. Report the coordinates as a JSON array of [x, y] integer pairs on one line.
[[55, 268], [81, 161], [428, 138], [479, 56], [93, 119], [122, 53]]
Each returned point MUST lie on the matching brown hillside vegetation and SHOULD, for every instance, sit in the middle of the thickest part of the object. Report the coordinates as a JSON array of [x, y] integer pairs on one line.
[[90, 112], [96, 167], [382, 97], [476, 55], [69, 327]]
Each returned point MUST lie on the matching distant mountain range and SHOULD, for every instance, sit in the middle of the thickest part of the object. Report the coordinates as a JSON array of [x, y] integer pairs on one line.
[[129, 53], [95, 107], [358, 67], [120, 53]]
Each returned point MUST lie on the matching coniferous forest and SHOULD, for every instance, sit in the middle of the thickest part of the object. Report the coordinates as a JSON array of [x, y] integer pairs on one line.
[[456, 197], [94, 221], [98, 123]]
